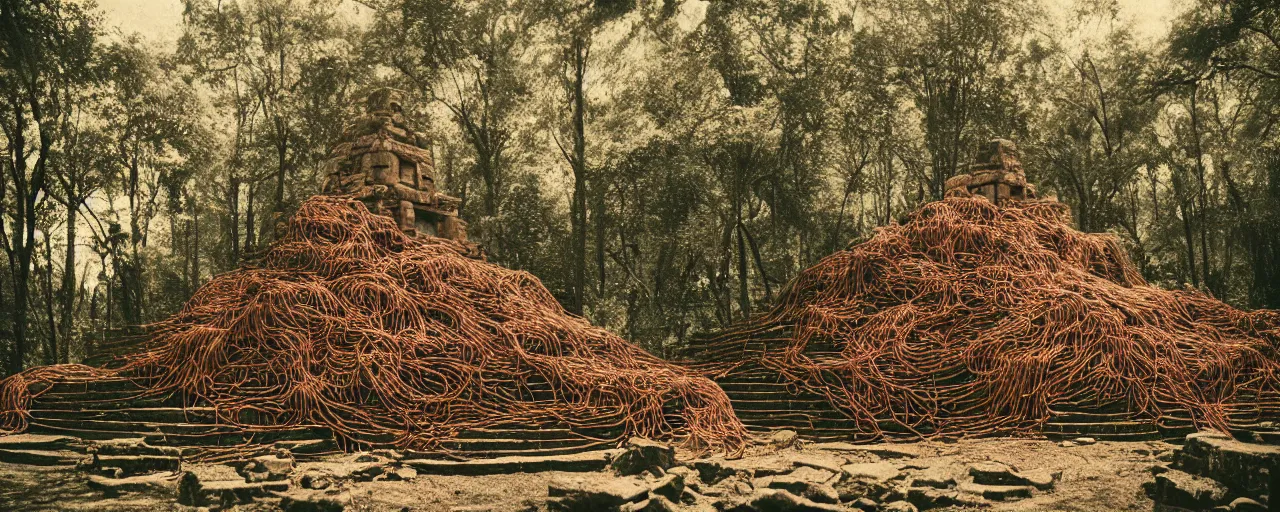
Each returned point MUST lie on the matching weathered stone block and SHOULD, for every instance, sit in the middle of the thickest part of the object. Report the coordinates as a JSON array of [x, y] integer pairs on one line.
[[773, 500], [1244, 468], [642, 454], [1179, 489], [583, 495]]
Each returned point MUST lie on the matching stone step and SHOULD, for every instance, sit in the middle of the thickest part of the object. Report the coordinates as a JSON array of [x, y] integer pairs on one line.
[[240, 437], [1069, 416], [110, 400], [193, 492], [40, 442], [132, 427], [1112, 427], [743, 406], [83, 433], [41, 457], [137, 414], [809, 428], [772, 385], [163, 484], [772, 395], [1092, 405], [138, 464], [536, 432], [809, 422], [133, 446], [514, 444], [518, 451], [766, 415], [107, 385], [1114, 437], [828, 435], [589, 461], [112, 410], [303, 448]]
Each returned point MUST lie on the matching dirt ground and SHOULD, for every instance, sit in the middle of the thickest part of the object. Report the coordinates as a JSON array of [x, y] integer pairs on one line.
[[1106, 476]]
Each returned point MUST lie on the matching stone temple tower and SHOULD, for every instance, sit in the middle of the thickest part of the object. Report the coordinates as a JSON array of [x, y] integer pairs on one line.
[[997, 175], [382, 162]]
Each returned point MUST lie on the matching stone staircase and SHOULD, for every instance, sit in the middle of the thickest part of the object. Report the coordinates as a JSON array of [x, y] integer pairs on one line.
[[118, 458], [764, 404], [108, 350], [113, 409], [765, 401], [42, 450]]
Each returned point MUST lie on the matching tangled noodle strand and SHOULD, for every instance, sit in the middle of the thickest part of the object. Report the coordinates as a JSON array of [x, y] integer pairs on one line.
[[977, 319], [382, 338]]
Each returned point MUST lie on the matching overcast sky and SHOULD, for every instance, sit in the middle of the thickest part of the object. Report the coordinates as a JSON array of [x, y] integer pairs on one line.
[[160, 20]]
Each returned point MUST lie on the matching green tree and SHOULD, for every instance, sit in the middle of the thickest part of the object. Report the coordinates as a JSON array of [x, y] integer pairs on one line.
[[1221, 77], [44, 46], [150, 118], [1099, 132], [472, 59], [953, 57], [284, 72]]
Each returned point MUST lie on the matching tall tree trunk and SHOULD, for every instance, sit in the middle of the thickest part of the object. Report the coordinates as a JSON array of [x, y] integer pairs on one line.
[[21, 289], [51, 351], [579, 163], [487, 163], [597, 218], [130, 283], [1189, 234], [195, 245], [744, 293], [233, 208], [67, 296], [1202, 191], [282, 149], [249, 222], [282, 135], [28, 191], [755, 254], [720, 277], [18, 314]]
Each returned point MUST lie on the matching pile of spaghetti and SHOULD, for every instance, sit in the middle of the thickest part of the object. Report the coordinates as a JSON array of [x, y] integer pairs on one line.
[[350, 324], [976, 319]]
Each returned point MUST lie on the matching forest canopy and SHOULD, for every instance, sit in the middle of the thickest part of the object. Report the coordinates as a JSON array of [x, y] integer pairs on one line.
[[665, 167]]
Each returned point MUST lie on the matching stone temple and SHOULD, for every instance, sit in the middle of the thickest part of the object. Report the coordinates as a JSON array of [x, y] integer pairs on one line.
[[997, 175], [381, 161]]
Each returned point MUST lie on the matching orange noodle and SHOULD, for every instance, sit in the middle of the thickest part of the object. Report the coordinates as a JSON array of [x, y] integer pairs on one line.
[[350, 324], [976, 319]]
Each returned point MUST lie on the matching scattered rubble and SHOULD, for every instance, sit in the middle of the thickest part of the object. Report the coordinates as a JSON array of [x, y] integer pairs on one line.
[[773, 500], [782, 438], [670, 487], [936, 478], [642, 454], [313, 501], [267, 468], [996, 473], [1009, 475], [899, 506], [587, 495]]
